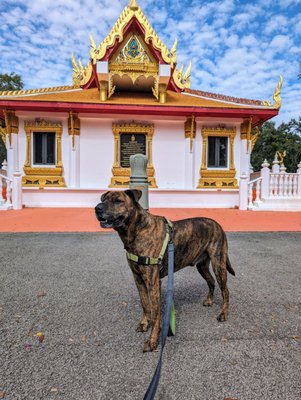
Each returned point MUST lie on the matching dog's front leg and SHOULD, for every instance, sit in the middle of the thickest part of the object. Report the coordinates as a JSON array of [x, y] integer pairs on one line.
[[143, 293], [151, 279]]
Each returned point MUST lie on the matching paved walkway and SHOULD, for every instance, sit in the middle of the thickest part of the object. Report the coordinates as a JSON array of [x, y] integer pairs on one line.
[[83, 219], [77, 289]]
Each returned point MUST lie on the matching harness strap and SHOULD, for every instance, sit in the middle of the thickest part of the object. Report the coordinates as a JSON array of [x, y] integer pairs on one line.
[[144, 260]]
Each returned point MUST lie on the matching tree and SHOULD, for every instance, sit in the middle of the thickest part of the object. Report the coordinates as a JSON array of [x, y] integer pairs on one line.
[[10, 81], [287, 137]]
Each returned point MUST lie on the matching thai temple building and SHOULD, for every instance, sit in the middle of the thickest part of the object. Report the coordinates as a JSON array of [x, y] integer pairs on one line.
[[67, 145]]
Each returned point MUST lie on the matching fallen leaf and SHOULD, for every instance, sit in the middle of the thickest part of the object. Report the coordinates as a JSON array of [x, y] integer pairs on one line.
[[53, 390], [41, 337], [2, 395], [41, 293], [230, 398], [296, 337], [224, 339], [85, 338], [71, 340], [124, 303]]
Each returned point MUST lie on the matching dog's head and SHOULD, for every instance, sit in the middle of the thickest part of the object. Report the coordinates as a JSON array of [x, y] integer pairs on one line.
[[116, 207]]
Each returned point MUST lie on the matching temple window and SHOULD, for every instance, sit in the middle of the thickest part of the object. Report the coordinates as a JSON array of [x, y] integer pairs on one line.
[[44, 148], [217, 152], [43, 165], [217, 168]]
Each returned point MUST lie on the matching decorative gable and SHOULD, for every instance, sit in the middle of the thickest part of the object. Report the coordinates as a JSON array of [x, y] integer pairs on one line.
[[132, 51]]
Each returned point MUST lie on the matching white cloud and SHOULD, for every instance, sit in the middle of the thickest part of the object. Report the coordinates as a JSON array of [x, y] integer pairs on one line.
[[238, 48]]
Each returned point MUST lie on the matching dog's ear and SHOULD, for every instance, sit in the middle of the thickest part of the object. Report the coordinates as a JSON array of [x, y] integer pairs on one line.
[[134, 194], [103, 196]]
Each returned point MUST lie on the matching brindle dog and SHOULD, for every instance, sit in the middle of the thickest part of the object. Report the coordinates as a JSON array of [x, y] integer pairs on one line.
[[197, 241]]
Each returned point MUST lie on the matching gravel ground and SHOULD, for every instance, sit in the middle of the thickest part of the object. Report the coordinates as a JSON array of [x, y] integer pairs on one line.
[[78, 291]]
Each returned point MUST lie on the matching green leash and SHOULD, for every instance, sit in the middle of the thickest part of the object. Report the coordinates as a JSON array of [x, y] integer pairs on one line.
[[172, 321]]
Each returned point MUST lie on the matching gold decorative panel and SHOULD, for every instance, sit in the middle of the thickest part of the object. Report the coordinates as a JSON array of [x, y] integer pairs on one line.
[[43, 176], [121, 173], [11, 125], [73, 126], [218, 178]]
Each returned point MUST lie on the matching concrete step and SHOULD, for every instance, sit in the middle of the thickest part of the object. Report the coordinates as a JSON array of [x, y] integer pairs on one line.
[[5, 207], [279, 204]]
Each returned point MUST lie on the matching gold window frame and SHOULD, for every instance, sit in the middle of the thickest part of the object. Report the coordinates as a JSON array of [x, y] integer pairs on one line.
[[38, 176], [211, 178], [121, 175]]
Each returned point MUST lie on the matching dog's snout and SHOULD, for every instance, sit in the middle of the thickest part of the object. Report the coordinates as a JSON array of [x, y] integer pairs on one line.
[[99, 208]]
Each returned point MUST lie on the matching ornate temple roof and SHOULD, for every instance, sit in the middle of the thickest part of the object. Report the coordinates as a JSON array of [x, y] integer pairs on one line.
[[133, 50]]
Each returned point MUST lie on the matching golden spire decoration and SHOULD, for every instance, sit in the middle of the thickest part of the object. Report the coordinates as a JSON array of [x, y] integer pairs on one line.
[[276, 95], [133, 5]]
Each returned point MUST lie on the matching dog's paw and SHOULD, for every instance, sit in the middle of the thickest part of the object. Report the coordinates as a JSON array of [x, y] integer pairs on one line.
[[142, 326], [150, 345], [222, 317], [207, 302]]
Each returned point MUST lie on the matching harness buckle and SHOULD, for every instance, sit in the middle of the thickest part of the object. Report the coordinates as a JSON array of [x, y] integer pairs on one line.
[[143, 260]]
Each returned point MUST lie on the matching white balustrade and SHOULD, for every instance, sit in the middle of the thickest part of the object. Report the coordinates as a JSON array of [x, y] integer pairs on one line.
[[283, 185], [1, 190], [6, 201], [254, 185]]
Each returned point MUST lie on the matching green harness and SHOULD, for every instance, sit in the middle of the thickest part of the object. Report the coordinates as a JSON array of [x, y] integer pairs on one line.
[[151, 260]]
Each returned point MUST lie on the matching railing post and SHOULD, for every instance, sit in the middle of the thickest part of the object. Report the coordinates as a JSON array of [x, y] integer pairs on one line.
[[4, 166], [17, 191], [275, 167], [1, 188], [243, 192], [299, 180], [8, 194], [265, 174]]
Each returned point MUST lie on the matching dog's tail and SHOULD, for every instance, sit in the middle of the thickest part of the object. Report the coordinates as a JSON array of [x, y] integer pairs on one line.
[[229, 267]]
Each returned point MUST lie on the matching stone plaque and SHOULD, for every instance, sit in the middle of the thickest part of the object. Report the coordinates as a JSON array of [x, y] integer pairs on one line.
[[130, 144]]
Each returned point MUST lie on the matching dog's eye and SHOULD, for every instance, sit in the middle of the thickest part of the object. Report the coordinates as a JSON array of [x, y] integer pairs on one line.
[[118, 201]]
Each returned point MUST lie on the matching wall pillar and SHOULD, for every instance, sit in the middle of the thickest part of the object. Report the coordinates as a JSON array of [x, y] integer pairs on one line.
[[74, 176], [243, 192], [189, 165], [190, 133], [12, 143], [17, 191], [74, 137], [245, 158]]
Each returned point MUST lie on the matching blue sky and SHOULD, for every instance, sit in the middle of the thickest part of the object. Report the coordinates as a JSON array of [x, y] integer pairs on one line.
[[238, 48]]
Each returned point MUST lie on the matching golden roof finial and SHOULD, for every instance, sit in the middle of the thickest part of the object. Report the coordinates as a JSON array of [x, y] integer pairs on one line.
[[133, 5], [276, 96]]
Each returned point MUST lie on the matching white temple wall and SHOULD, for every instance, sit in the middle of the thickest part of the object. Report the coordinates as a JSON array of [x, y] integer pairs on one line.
[[169, 160], [177, 180], [96, 152]]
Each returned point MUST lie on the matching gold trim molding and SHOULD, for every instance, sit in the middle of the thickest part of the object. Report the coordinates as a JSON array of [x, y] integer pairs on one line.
[[73, 126], [121, 175], [43, 176], [190, 129], [218, 178], [11, 125]]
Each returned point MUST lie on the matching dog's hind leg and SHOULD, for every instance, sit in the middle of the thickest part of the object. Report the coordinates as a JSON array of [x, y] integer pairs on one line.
[[203, 268], [143, 325], [219, 266]]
